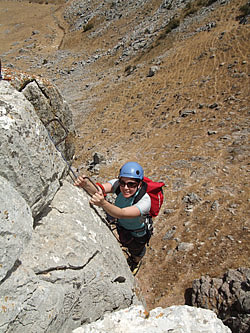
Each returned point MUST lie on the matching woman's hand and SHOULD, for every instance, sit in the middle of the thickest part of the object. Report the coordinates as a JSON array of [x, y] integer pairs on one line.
[[81, 181], [98, 198]]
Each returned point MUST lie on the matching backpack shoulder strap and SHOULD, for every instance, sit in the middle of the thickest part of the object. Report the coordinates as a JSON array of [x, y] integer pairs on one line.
[[141, 193], [118, 190]]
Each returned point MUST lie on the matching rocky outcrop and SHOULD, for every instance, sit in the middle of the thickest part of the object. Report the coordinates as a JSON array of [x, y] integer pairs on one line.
[[228, 297], [83, 16], [51, 109], [67, 267], [29, 159], [16, 225], [183, 319], [71, 272]]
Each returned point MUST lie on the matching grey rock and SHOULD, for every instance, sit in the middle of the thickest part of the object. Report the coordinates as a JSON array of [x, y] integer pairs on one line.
[[98, 158], [211, 132], [207, 27], [53, 111], [16, 226], [29, 159], [175, 319], [215, 205], [71, 272], [152, 71], [94, 165], [213, 106], [168, 211], [185, 113], [191, 198], [228, 297], [185, 247], [170, 233]]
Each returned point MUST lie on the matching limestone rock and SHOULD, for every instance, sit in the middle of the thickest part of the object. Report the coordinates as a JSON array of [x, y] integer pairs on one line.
[[152, 71], [29, 159], [51, 108], [228, 297], [72, 271], [16, 225], [179, 319], [54, 112]]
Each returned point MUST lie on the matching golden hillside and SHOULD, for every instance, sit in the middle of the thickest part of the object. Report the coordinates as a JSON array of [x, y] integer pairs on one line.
[[187, 124]]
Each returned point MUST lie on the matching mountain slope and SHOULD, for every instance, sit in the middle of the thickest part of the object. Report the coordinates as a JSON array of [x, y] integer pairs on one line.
[[186, 124]]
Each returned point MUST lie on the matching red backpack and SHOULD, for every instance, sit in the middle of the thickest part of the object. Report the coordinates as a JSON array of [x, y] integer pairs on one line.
[[154, 190]]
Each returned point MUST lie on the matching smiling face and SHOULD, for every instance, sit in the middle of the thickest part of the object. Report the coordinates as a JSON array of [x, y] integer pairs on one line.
[[128, 186]]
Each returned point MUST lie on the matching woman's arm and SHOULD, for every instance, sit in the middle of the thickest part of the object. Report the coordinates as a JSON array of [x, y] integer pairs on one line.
[[120, 213], [99, 200], [107, 187], [82, 181]]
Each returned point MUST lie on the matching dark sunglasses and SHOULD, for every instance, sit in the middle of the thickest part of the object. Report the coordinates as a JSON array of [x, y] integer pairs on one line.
[[129, 184]]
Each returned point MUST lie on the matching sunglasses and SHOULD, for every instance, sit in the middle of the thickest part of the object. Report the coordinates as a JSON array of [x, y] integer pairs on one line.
[[129, 184]]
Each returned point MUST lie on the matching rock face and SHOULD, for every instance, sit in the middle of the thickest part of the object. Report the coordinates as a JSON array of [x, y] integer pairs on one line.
[[181, 319], [72, 271], [29, 159], [53, 111], [16, 225], [69, 269], [228, 297], [51, 108]]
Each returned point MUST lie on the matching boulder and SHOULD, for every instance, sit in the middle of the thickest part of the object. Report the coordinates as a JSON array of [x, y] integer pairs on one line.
[[228, 297], [16, 225], [29, 159], [51, 108], [71, 272], [53, 111], [179, 319]]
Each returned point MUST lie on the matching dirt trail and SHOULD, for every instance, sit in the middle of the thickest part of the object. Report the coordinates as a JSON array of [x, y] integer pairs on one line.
[[21, 31]]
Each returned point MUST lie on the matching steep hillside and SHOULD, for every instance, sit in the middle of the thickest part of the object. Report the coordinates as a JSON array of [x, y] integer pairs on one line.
[[185, 121]]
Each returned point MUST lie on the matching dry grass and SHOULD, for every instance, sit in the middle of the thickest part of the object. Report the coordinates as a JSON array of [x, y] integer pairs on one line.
[[136, 117]]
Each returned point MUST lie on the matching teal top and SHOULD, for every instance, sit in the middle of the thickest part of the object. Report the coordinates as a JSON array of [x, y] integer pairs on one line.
[[144, 205]]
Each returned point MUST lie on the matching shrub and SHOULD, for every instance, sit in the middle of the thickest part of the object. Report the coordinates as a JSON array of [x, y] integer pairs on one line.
[[190, 11], [205, 3], [245, 9], [210, 2], [174, 23], [88, 26]]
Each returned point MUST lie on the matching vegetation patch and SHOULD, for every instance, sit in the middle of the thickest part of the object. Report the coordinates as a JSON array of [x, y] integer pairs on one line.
[[172, 24], [88, 26], [189, 9], [245, 9], [205, 3], [193, 6]]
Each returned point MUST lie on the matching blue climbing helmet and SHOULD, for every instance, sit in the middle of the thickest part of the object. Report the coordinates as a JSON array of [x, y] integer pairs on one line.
[[132, 170]]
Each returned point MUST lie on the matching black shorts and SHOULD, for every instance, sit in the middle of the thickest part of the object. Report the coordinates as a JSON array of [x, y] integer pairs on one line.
[[135, 245]]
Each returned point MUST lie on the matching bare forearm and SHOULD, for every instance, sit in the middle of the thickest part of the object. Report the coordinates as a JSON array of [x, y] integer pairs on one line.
[[90, 188], [112, 210], [120, 213], [117, 212], [84, 182]]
